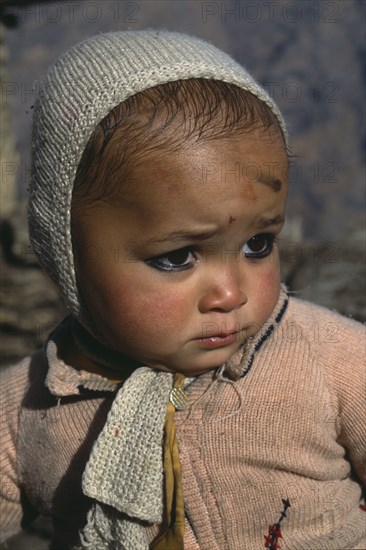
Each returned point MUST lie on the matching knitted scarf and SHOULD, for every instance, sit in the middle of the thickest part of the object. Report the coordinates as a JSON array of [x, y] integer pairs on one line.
[[124, 473]]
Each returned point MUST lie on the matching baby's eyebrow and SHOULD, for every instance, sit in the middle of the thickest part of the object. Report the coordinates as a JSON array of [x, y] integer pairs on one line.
[[273, 183], [266, 222], [183, 235]]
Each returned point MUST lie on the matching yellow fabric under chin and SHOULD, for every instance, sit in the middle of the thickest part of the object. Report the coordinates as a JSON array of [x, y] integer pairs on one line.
[[172, 538]]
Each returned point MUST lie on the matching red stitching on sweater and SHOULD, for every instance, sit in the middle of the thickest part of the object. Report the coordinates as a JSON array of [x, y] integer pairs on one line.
[[274, 531]]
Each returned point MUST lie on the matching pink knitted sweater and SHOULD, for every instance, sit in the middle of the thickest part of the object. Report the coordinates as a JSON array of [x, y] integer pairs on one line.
[[273, 455]]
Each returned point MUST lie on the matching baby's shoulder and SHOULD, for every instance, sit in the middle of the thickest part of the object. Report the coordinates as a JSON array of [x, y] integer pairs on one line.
[[314, 319], [336, 343], [15, 381], [16, 378]]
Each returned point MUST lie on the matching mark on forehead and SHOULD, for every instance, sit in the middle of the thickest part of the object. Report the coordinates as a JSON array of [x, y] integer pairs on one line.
[[248, 193], [231, 220], [275, 184]]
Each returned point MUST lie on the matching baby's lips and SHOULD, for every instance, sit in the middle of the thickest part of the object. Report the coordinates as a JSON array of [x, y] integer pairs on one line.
[[221, 333]]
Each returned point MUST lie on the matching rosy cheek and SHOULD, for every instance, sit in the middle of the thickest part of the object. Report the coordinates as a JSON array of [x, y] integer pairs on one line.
[[269, 279], [267, 289], [145, 306], [270, 283], [146, 320], [164, 308]]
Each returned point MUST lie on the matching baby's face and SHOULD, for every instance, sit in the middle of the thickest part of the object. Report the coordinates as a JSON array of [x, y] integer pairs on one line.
[[182, 265]]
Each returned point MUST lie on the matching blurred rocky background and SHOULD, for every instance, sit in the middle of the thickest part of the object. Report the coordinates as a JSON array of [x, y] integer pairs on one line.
[[310, 56]]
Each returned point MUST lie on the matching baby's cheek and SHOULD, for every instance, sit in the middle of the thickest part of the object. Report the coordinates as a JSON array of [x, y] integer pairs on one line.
[[164, 309], [146, 322], [269, 281], [150, 311], [267, 291]]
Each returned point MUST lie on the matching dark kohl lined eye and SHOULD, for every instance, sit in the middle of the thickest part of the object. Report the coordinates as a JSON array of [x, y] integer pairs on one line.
[[177, 260], [259, 246]]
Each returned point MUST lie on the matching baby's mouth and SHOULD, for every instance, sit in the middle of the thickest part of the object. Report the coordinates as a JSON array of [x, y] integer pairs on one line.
[[219, 339]]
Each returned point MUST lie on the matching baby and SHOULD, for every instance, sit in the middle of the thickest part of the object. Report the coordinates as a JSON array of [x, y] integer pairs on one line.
[[187, 401]]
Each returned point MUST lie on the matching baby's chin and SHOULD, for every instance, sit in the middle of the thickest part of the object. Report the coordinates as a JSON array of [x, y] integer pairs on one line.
[[199, 368], [192, 372]]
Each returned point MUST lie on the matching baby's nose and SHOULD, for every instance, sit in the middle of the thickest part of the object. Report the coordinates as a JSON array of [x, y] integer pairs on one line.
[[223, 291]]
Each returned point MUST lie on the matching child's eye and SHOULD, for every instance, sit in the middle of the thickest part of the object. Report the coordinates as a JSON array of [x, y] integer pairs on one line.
[[259, 246], [178, 260]]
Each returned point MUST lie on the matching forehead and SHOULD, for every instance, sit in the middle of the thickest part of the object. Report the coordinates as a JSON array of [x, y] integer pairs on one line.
[[166, 119], [204, 170], [205, 188]]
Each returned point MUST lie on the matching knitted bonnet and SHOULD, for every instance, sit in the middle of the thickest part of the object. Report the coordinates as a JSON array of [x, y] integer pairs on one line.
[[79, 90]]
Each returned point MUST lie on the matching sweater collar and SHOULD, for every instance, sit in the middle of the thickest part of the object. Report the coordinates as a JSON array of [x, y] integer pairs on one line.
[[66, 379], [241, 362]]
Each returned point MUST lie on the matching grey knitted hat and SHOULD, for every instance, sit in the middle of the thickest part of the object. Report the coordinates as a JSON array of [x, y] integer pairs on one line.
[[79, 90]]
